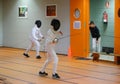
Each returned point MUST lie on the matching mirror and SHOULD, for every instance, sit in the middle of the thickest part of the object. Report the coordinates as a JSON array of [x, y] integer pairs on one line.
[[77, 13]]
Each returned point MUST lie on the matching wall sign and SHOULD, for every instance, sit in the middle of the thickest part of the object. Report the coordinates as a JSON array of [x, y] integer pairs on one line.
[[77, 25], [22, 12], [51, 10]]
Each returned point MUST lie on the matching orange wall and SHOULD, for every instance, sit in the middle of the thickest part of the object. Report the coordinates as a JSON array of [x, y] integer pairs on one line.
[[79, 40], [117, 28]]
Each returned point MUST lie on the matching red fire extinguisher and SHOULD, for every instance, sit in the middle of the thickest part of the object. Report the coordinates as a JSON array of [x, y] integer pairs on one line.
[[105, 17]]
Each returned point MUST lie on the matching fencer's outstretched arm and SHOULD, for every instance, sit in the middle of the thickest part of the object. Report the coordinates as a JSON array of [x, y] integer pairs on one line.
[[61, 32], [40, 35]]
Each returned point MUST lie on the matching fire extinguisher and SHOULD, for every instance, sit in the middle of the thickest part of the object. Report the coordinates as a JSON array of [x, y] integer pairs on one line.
[[105, 17]]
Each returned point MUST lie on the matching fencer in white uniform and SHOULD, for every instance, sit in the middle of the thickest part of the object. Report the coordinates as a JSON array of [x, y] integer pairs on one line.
[[50, 44], [35, 39]]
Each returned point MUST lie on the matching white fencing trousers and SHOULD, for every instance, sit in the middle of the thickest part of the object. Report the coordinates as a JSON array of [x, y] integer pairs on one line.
[[32, 43], [96, 45], [51, 56]]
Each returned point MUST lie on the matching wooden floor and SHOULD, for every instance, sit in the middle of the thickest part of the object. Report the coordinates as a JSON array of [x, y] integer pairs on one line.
[[20, 70]]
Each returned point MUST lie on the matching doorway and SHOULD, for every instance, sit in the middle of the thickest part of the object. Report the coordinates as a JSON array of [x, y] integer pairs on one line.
[[97, 9]]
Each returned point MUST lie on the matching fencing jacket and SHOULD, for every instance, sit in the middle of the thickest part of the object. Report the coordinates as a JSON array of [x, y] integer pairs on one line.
[[36, 34], [51, 35]]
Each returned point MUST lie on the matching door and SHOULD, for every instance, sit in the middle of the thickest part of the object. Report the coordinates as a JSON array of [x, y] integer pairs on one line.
[[79, 28]]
